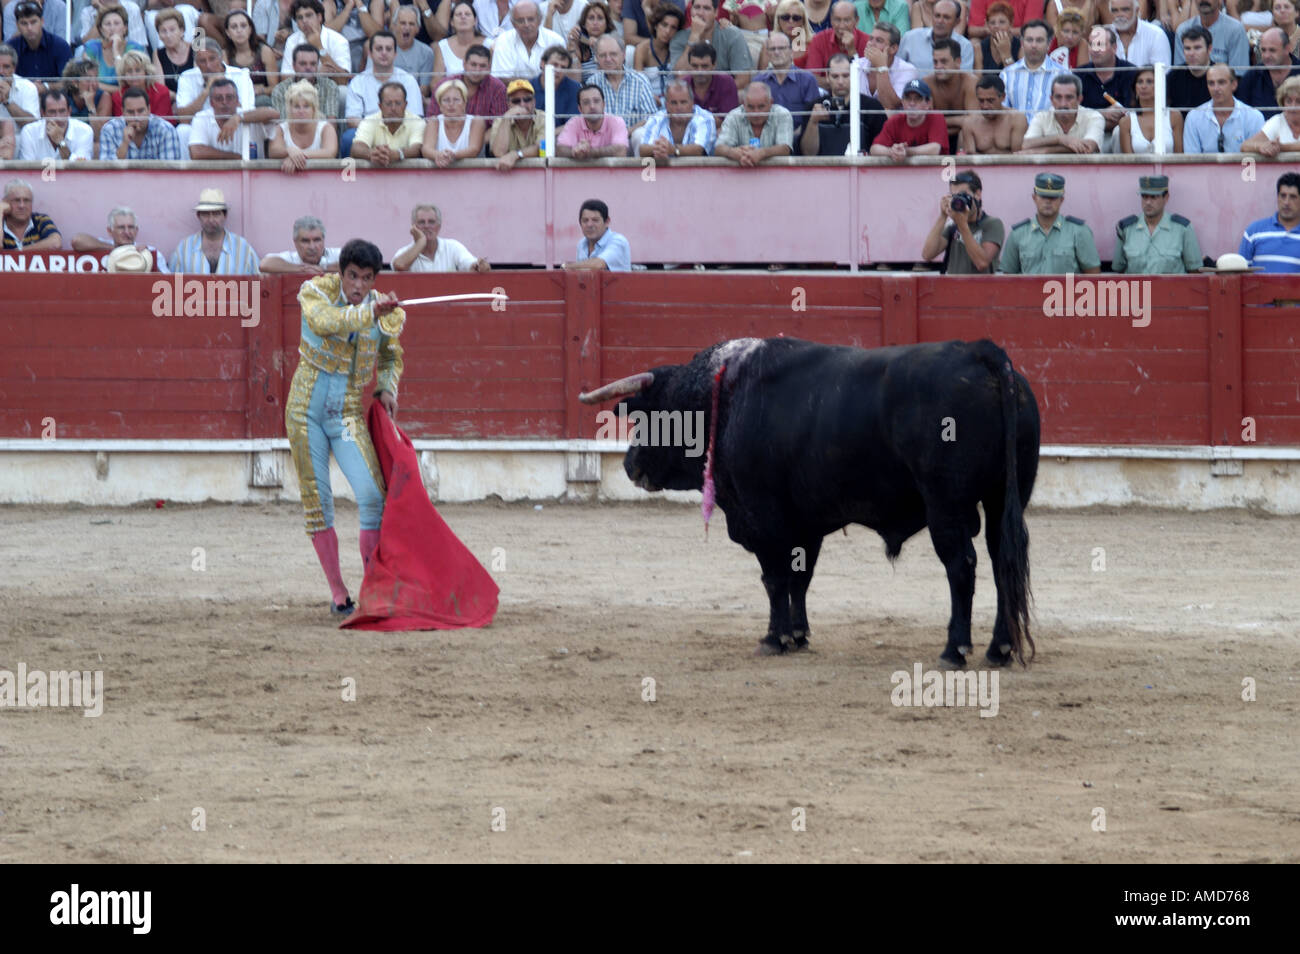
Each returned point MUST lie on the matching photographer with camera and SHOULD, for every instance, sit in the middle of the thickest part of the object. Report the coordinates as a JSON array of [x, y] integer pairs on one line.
[[969, 238]]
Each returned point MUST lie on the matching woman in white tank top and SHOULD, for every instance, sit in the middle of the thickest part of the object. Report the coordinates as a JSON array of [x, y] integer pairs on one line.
[[306, 135], [449, 54], [451, 135], [1138, 133]]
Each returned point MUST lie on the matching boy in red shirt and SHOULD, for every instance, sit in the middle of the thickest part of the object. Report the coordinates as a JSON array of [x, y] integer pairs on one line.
[[916, 131]]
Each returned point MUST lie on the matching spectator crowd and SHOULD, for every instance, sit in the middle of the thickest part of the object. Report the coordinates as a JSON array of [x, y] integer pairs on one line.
[[390, 81]]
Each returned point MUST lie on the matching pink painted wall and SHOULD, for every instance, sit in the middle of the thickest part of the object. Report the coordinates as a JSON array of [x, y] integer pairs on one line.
[[701, 212]]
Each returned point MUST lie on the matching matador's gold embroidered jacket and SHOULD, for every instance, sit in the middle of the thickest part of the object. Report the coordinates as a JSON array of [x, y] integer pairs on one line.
[[340, 338]]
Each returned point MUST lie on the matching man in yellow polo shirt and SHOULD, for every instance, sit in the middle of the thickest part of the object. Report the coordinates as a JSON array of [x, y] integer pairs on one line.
[[387, 137]]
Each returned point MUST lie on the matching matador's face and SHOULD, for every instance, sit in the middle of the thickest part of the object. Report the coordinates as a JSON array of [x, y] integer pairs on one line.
[[357, 283]]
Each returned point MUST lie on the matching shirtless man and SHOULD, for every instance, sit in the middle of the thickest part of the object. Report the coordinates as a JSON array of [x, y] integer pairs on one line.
[[953, 89], [994, 130]]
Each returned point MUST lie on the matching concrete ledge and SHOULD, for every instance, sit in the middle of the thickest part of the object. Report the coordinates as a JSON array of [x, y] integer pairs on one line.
[[124, 473]]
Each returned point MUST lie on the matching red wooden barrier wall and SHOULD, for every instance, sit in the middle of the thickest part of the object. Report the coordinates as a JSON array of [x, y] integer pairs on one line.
[[90, 352]]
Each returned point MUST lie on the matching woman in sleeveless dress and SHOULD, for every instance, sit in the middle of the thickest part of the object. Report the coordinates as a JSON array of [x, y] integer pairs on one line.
[[1070, 46], [306, 134], [451, 135], [175, 56], [1137, 130], [449, 54], [754, 18], [651, 57], [595, 22], [246, 49], [110, 25], [998, 19], [1284, 16], [819, 14], [1253, 14], [135, 69]]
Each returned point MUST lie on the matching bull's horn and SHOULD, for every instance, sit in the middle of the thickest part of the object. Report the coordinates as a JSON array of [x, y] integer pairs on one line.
[[623, 387]]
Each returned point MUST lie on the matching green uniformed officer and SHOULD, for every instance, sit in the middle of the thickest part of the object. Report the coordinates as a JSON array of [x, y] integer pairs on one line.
[[1163, 244], [1050, 243]]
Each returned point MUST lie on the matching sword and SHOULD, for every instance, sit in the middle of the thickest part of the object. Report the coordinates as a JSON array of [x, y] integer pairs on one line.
[[496, 296]]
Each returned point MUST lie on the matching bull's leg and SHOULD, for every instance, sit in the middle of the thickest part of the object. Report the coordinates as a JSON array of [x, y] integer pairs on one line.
[[952, 543], [776, 578], [999, 651], [802, 563]]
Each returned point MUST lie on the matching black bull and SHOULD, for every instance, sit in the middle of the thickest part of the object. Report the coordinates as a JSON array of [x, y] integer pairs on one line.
[[810, 438]]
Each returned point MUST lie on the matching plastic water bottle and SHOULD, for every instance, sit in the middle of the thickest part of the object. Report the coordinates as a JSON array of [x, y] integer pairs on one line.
[[541, 149]]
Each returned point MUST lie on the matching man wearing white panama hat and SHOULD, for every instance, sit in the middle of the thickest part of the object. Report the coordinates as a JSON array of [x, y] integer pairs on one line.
[[123, 232], [213, 250], [128, 258]]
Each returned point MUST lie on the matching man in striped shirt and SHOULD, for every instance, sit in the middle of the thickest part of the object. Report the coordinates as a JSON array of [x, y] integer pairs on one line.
[[627, 94], [213, 250], [1029, 79], [23, 228], [1274, 243], [679, 129]]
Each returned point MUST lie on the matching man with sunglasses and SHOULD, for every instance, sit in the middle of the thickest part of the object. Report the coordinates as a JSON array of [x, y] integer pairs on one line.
[[41, 54], [518, 135], [1225, 122]]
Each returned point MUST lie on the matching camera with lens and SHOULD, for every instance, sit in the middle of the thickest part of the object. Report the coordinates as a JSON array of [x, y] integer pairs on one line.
[[960, 202]]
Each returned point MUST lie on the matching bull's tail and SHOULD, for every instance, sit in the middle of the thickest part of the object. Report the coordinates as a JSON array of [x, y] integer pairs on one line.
[[1011, 568]]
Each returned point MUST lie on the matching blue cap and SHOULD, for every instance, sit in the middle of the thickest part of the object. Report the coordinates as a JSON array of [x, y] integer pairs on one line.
[[919, 87]]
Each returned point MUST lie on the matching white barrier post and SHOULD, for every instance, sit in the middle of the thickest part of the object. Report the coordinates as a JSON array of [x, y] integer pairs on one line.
[[855, 108], [548, 83], [1161, 110]]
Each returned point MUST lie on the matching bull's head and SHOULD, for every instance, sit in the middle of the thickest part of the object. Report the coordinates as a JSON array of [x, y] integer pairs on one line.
[[662, 415]]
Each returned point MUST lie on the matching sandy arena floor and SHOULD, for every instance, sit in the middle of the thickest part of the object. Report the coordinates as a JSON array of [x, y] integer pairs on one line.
[[223, 692]]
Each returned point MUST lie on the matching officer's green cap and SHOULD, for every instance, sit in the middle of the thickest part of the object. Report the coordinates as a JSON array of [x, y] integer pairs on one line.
[[1153, 185], [1049, 184]]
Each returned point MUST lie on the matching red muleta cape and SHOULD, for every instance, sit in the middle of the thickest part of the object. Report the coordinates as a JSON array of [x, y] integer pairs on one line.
[[421, 576]]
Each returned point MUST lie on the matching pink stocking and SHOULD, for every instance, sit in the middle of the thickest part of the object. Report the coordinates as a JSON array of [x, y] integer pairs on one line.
[[327, 550], [369, 541]]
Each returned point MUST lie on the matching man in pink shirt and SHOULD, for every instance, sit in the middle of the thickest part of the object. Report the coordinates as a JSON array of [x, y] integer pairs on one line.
[[593, 134]]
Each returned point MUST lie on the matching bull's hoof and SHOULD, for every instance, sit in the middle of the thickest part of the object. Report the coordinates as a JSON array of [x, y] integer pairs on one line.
[[800, 641], [770, 645], [952, 661], [999, 656]]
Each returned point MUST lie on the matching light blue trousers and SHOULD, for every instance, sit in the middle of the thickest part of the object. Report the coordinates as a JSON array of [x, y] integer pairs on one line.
[[328, 427]]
